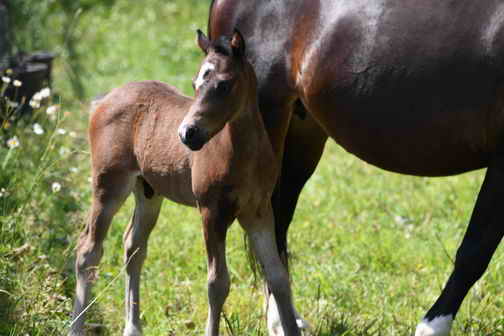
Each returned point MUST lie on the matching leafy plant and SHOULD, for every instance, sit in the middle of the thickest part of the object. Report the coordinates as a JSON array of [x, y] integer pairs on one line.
[[63, 16], [36, 205]]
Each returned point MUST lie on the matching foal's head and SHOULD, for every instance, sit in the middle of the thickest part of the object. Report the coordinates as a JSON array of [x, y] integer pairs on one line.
[[223, 86]]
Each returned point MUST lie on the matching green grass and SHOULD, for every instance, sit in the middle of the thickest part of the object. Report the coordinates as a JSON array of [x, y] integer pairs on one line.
[[370, 249]]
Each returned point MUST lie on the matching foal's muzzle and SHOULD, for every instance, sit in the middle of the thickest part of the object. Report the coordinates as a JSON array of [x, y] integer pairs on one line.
[[192, 136]]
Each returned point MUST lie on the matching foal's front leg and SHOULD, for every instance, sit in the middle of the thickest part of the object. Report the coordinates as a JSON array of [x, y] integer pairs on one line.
[[215, 225], [260, 227], [305, 139]]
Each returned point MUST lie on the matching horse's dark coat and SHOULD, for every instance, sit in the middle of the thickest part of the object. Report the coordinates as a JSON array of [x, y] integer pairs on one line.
[[414, 87]]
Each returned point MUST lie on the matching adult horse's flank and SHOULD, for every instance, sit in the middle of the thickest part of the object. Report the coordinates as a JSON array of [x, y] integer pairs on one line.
[[414, 87], [135, 148]]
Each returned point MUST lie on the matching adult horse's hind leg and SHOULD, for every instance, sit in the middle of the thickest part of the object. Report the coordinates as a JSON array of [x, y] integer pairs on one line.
[[480, 241], [110, 190], [147, 208], [304, 146]]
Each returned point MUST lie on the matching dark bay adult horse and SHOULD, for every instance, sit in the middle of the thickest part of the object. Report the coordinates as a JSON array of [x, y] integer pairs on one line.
[[413, 87]]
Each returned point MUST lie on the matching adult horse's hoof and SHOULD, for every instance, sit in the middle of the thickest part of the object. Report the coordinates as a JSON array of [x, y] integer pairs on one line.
[[438, 326]]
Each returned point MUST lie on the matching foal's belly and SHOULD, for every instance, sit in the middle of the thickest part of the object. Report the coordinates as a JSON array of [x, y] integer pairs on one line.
[[176, 186]]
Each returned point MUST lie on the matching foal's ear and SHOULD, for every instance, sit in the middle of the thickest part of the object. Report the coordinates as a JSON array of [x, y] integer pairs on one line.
[[203, 41], [238, 43]]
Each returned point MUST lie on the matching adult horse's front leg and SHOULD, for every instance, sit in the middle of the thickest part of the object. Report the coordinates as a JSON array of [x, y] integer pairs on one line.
[[483, 235], [304, 146], [215, 225], [259, 226]]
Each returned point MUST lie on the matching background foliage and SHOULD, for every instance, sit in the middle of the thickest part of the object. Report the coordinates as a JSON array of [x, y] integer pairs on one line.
[[370, 250]]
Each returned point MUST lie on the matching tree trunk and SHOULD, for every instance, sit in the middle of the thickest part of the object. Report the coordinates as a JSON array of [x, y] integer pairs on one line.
[[4, 34]]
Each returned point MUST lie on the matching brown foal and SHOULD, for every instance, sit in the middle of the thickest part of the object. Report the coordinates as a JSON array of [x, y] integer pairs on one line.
[[229, 174]]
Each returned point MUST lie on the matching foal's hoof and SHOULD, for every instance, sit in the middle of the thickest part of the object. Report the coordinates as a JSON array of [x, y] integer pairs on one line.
[[438, 326], [274, 324], [132, 330], [275, 327], [76, 333]]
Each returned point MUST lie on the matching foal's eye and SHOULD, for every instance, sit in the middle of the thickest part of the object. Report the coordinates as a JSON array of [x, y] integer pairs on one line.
[[223, 86]]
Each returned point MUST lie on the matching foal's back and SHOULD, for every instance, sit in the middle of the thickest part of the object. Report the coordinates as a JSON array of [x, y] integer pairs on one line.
[[134, 129]]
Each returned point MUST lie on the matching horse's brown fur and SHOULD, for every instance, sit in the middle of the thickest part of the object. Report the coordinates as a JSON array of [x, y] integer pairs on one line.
[[135, 147]]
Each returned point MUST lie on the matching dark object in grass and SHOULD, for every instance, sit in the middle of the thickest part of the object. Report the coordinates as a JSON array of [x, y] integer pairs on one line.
[[34, 72]]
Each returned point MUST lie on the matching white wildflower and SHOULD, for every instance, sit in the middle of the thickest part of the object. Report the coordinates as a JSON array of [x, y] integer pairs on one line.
[[13, 142], [52, 109], [400, 219], [63, 151], [35, 103], [56, 187], [74, 169], [37, 129], [61, 131], [3, 192], [6, 79], [37, 97], [45, 92], [17, 83]]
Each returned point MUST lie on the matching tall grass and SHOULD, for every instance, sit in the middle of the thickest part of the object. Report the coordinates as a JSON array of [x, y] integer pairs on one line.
[[370, 250], [38, 207]]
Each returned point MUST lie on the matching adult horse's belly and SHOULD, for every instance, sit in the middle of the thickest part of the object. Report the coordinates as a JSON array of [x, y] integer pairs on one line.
[[406, 89], [417, 142]]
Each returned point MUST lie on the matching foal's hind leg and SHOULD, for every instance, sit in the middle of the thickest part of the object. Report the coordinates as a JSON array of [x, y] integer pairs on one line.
[[480, 241], [109, 192], [304, 146], [147, 207], [261, 232]]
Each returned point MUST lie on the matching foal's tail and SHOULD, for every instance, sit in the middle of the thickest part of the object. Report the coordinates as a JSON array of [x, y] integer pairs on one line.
[[95, 101], [255, 267]]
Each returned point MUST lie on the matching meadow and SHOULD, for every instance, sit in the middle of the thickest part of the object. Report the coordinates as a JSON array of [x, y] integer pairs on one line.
[[370, 250]]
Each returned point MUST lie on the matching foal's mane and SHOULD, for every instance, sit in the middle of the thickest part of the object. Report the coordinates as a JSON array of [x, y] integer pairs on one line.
[[222, 45]]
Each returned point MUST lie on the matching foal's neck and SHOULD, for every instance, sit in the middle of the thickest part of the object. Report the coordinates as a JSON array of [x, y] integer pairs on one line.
[[247, 129], [248, 119]]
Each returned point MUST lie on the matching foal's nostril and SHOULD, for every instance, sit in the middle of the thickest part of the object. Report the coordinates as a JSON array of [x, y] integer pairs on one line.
[[192, 137], [188, 132], [191, 131]]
